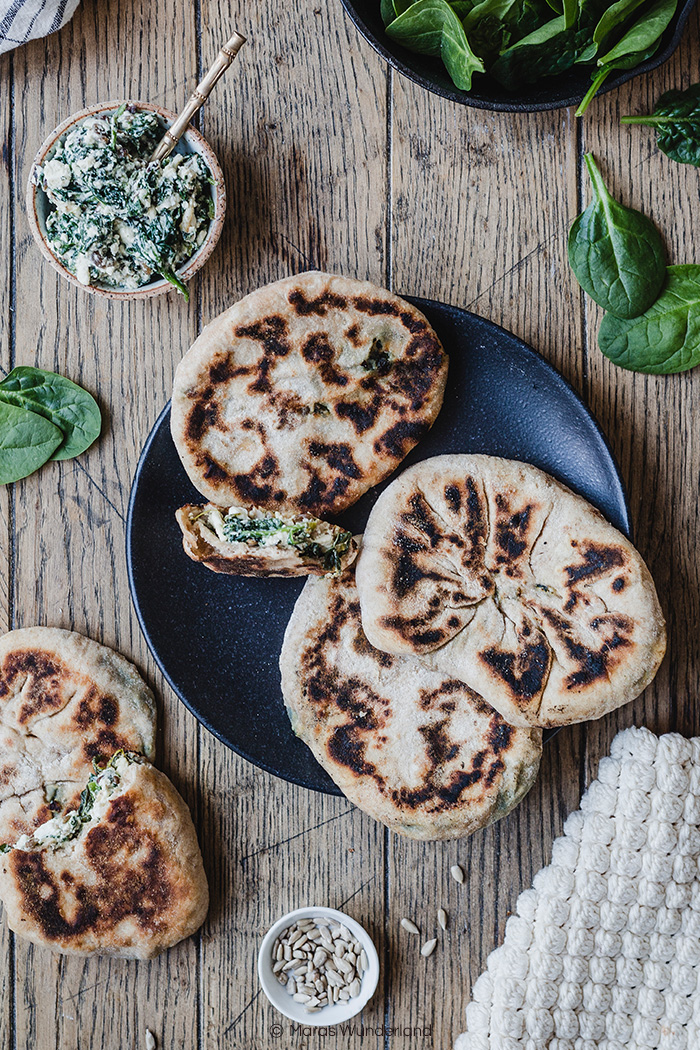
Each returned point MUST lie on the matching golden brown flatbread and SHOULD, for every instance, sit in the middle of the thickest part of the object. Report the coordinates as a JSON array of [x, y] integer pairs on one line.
[[124, 879], [65, 701], [414, 748], [491, 571], [290, 545], [305, 394]]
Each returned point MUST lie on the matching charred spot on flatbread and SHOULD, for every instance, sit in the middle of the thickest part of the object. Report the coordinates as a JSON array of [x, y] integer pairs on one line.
[[313, 362]]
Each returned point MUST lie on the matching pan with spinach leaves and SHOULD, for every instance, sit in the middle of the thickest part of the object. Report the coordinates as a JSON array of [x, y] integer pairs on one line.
[[521, 41], [677, 123]]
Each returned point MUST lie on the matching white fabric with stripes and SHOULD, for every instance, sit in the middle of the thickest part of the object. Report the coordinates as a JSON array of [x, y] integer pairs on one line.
[[23, 20]]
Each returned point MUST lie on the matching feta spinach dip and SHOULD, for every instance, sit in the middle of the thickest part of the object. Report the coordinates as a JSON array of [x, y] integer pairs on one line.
[[119, 220]]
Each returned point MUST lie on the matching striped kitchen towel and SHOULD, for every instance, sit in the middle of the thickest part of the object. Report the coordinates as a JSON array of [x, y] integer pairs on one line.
[[23, 20]]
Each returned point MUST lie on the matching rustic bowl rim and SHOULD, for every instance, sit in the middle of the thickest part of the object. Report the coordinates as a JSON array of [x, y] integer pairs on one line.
[[197, 143], [329, 1015]]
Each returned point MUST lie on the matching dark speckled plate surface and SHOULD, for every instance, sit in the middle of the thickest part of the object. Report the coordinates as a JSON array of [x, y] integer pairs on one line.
[[217, 638], [567, 89]]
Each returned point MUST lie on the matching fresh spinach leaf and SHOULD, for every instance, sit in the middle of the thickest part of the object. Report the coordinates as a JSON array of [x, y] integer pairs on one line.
[[544, 51], [614, 17], [639, 42], [616, 253], [677, 122], [387, 11], [26, 442], [62, 402], [666, 338], [431, 27]]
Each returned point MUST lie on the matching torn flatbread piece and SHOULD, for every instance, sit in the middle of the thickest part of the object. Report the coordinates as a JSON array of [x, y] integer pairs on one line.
[[250, 541], [65, 702], [416, 749], [305, 394], [122, 875], [493, 572]]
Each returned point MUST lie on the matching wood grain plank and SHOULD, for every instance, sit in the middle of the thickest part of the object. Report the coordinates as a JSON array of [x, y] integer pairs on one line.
[[6, 559], [650, 420], [70, 517], [300, 127], [481, 206]]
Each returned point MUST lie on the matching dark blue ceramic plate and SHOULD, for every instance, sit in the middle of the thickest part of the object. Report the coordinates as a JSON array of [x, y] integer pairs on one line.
[[567, 89], [217, 638]]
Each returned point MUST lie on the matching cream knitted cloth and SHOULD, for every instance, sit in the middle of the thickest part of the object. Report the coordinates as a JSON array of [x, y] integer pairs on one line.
[[604, 952]]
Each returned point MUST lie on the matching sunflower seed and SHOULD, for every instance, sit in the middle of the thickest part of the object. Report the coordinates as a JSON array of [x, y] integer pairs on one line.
[[278, 966], [299, 997], [344, 994], [150, 1040], [442, 918], [364, 963], [457, 873], [410, 926], [355, 988], [320, 957], [429, 947]]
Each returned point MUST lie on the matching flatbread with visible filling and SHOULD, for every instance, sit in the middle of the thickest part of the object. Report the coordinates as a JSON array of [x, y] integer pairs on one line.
[[305, 394], [123, 876], [491, 571], [246, 541], [414, 748], [65, 701]]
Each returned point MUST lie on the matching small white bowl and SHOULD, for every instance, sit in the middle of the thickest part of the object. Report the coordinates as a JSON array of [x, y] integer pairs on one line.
[[329, 1015], [38, 204]]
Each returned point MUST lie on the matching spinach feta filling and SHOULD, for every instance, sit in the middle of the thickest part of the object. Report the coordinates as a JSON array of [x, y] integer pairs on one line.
[[118, 219], [94, 800], [310, 537]]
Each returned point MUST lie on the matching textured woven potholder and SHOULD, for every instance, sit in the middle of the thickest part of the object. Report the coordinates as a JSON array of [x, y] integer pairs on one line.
[[604, 952]]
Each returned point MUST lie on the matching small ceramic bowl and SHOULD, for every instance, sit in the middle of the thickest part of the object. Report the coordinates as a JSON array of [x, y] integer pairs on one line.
[[328, 1015], [38, 204]]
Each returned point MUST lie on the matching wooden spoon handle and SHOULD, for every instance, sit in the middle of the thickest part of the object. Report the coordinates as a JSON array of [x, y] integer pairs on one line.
[[199, 96]]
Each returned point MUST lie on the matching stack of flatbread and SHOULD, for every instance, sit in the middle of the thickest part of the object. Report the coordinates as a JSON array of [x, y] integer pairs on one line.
[[98, 854], [488, 601]]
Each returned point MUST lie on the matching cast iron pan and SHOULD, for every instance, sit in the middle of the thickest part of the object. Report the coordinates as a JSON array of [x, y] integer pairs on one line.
[[567, 89], [217, 638]]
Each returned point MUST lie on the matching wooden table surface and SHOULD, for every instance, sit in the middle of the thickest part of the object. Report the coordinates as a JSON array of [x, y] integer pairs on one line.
[[333, 162]]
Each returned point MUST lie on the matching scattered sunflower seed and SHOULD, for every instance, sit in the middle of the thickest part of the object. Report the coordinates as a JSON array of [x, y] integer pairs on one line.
[[150, 1040], [429, 947], [457, 873], [410, 926], [442, 918]]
